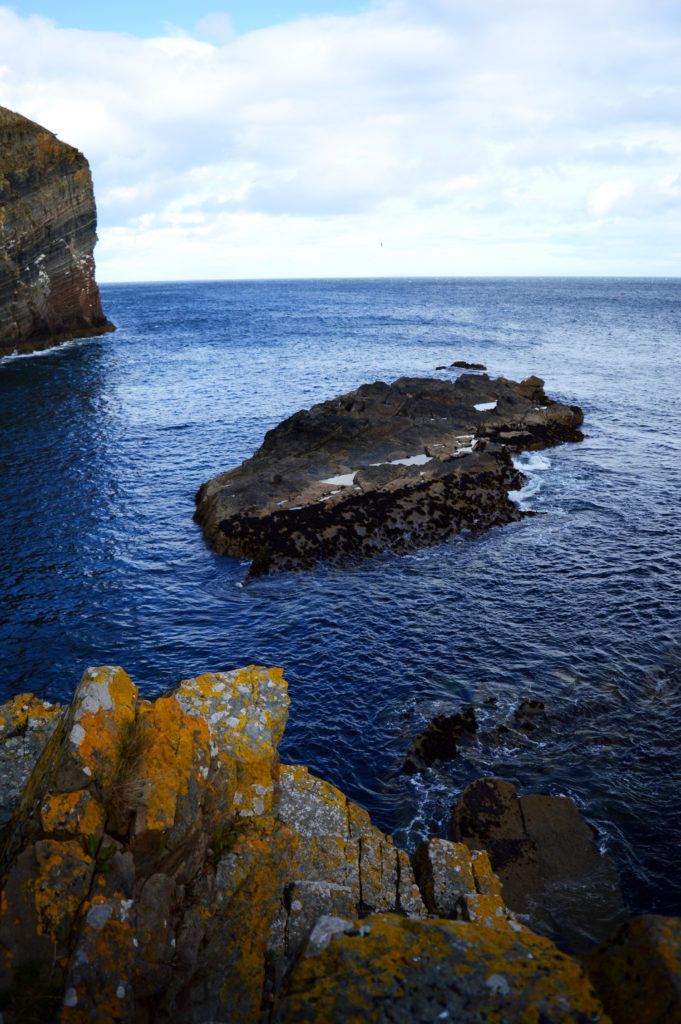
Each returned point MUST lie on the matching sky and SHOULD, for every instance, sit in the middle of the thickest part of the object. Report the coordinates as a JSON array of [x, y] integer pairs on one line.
[[332, 138]]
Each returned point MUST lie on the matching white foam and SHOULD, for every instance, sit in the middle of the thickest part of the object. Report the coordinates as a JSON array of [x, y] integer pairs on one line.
[[485, 406], [532, 464], [62, 346]]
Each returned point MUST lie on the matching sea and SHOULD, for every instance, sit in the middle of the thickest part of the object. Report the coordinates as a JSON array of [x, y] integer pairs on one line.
[[105, 441]]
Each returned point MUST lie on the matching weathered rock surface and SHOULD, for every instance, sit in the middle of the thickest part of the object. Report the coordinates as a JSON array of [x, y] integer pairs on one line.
[[544, 854], [161, 865], [637, 973], [26, 724], [394, 969], [48, 222], [394, 467]]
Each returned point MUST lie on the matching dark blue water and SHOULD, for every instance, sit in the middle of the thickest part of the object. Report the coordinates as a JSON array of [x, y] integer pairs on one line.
[[104, 443]]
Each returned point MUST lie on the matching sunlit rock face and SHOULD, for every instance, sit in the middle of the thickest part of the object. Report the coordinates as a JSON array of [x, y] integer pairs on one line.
[[48, 292]]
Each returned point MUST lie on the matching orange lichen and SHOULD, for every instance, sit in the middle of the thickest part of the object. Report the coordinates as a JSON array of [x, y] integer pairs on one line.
[[387, 960], [486, 882], [62, 881], [104, 702], [72, 813], [25, 709], [177, 753], [246, 712]]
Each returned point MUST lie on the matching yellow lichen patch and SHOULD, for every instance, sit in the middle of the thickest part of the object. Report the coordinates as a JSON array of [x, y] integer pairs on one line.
[[248, 882], [246, 713], [359, 822], [486, 882], [637, 971], [485, 909], [77, 814], [60, 885], [23, 710], [104, 702], [177, 755], [387, 967], [99, 989]]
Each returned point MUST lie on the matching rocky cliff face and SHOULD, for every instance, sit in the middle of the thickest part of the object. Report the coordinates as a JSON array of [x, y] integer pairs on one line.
[[48, 219], [161, 865]]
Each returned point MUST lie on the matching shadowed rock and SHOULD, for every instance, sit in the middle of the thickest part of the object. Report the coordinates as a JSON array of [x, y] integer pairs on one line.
[[396, 467], [637, 972], [439, 740], [546, 858]]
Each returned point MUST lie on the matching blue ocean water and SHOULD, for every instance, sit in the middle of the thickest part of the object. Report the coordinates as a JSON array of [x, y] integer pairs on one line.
[[104, 443]]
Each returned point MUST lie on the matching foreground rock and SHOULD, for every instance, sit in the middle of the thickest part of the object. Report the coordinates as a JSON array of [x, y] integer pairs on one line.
[[161, 865], [48, 292], [545, 856], [638, 971], [399, 971], [395, 466]]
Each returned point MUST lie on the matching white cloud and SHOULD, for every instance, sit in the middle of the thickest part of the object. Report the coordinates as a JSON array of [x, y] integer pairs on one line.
[[609, 196], [468, 136]]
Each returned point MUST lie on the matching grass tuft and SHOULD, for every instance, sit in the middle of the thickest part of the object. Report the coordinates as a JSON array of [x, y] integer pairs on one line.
[[126, 788]]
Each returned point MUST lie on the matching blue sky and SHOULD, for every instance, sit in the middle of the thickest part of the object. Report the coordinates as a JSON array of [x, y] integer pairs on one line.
[[152, 18], [396, 137]]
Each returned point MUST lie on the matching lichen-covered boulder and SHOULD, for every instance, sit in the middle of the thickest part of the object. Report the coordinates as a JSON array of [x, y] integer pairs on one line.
[[637, 972], [246, 712], [340, 845], [143, 859], [26, 725], [394, 969]]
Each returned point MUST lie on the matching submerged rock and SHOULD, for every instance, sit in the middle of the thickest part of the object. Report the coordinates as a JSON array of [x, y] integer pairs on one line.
[[48, 292], [394, 467], [545, 856], [439, 740]]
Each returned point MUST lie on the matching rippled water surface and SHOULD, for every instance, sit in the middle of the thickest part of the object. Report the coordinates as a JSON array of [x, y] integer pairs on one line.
[[104, 443]]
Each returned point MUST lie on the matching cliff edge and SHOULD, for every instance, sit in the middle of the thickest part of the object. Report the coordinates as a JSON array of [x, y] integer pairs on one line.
[[48, 219]]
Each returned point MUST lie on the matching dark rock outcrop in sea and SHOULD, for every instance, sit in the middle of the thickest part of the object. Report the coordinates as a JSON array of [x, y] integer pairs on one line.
[[161, 865], [397, 467], [546, 858], [48, 292]]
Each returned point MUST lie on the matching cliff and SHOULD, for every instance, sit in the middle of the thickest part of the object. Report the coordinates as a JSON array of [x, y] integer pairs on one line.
[[48, 292], [160, 864]]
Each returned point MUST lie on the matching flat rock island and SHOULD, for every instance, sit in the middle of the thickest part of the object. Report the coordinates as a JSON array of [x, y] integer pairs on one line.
[[388, 466]]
